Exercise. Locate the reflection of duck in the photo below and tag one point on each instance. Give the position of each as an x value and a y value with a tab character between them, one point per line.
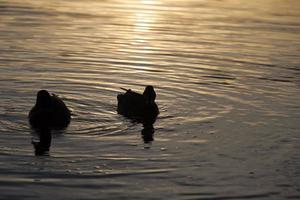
49	112
147	133
141	107
42	146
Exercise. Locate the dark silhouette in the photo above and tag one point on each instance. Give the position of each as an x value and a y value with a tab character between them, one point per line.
147	133
42	147
141	108
48	113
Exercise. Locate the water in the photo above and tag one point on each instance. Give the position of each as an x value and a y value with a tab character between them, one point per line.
227	78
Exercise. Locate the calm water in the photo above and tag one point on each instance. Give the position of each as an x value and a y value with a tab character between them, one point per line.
227	76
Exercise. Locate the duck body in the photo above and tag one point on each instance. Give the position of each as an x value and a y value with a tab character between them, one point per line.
140	107
49	112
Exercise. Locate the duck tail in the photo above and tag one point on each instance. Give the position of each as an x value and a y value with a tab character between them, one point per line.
124	89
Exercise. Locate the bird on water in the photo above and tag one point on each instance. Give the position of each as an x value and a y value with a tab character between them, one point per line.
49	112
141	107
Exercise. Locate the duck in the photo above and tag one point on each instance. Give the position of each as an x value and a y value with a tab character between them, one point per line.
49	112
140	107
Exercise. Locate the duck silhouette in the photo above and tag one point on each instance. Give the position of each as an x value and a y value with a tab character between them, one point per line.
140	107
49	112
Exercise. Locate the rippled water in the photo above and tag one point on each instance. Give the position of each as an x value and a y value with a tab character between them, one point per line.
227	78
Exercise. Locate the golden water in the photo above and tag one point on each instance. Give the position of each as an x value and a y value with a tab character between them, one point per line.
227	78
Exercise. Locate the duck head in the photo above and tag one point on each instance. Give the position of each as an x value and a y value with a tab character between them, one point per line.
43	98
149	94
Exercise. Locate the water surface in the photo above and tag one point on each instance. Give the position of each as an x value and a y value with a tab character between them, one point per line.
227	78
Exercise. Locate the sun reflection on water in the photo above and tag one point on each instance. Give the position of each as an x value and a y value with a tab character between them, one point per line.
144	20
147	1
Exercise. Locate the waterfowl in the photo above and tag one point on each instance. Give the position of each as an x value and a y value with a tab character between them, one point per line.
141	107
49	112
